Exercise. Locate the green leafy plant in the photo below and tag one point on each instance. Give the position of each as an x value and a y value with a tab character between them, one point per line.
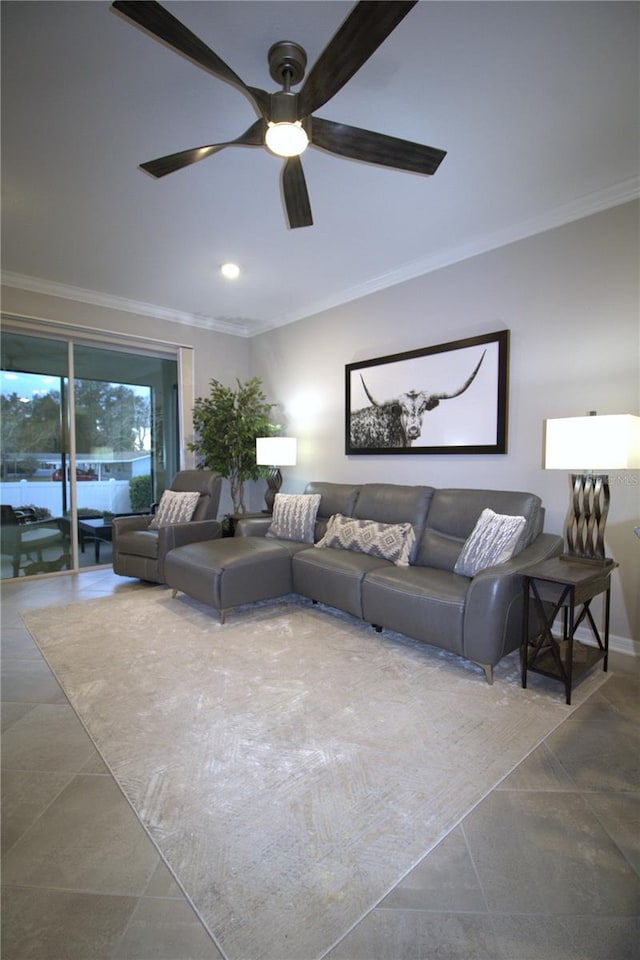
226	425
140	493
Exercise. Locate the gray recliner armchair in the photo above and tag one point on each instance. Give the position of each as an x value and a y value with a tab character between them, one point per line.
140	552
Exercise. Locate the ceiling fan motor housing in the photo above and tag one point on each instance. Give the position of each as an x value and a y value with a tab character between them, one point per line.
287	63
283	107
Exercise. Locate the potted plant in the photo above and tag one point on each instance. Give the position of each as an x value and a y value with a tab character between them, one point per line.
226	425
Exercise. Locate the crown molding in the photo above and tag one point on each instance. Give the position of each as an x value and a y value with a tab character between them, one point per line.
559	216
239	328
578	209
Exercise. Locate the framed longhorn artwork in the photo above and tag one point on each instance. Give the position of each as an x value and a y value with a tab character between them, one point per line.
449	398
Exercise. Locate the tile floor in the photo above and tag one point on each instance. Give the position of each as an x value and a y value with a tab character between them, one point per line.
546	867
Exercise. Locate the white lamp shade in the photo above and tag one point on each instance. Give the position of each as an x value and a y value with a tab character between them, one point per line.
593	443
276	451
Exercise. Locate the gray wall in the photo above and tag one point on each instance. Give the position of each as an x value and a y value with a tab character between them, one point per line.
570	298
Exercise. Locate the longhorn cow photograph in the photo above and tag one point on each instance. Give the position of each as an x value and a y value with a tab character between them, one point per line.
448	398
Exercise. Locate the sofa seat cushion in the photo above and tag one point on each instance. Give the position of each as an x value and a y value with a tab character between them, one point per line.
334	576
139	543
421	602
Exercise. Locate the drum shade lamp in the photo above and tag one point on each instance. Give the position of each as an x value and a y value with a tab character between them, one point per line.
275	452
588	447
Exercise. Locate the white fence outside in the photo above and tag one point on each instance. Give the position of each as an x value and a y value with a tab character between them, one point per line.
99	495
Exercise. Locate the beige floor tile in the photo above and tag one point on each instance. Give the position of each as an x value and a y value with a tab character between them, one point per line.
30	681
553	857
16	643
25	796
13	711
48	737
42	924
88	839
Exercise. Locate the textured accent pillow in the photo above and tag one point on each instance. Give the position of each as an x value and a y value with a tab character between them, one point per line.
294	516
391	541
493	540
174	508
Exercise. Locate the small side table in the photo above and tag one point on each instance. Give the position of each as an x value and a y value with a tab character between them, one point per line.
565	585
233	519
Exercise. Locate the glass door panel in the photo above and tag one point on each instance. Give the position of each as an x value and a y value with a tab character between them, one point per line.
126	448
34	456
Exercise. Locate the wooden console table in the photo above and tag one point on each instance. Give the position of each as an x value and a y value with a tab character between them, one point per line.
564	585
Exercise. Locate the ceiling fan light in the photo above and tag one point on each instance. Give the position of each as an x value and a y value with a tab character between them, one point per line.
286	139
231	271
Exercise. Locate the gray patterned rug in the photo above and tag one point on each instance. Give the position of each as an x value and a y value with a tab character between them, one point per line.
293	765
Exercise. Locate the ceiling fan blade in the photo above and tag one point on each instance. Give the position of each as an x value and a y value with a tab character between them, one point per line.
370	147
253	137
153	18
369	23
296	197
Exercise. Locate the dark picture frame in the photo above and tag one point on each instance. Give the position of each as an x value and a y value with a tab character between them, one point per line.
448	398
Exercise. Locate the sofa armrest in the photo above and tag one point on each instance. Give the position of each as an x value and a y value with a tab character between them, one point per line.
179	534
493	607
129	524
253	526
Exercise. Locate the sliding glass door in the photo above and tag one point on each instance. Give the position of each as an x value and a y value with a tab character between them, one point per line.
88	432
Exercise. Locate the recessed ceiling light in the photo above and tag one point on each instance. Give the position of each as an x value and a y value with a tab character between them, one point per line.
230	270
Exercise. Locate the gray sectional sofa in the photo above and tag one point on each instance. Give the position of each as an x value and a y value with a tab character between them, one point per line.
478	618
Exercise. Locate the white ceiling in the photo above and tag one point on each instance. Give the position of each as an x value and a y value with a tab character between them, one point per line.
536	104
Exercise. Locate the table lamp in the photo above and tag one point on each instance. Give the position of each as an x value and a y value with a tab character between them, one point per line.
275	452
590	445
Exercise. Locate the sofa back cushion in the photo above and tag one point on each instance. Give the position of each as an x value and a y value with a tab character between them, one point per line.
334	498
454	513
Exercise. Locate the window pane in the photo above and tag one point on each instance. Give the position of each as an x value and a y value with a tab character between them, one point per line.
34	444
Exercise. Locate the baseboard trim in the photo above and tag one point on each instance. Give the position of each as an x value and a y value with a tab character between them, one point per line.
625	645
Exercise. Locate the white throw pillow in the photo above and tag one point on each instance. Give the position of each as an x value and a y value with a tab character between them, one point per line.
493	540
174	508
391	541
294	516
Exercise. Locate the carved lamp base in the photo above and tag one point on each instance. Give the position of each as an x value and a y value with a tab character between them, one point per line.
588	509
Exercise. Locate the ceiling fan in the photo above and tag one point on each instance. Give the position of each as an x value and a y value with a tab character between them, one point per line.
286	124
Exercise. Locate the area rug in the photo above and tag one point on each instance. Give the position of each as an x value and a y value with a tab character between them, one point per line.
292	765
